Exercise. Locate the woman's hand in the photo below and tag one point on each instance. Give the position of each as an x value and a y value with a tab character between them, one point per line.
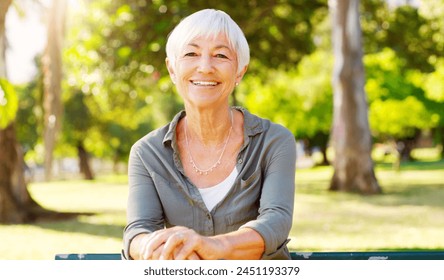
186	243
181	243
156	254
169	244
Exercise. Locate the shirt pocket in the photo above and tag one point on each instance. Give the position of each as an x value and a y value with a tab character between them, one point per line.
253	180
235	220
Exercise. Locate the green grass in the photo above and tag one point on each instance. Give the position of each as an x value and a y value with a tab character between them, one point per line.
97	233
408	216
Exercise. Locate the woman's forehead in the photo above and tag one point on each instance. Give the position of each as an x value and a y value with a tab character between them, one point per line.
219	41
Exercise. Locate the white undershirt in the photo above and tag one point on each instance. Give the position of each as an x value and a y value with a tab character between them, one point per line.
213	195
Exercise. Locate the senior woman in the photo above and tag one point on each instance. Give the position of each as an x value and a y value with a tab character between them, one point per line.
217	182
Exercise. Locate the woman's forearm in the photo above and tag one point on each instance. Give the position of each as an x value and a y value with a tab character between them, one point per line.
245	244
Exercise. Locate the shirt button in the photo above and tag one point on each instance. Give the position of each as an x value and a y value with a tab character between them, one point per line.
240	161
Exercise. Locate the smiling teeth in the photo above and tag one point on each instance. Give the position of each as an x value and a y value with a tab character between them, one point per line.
202	83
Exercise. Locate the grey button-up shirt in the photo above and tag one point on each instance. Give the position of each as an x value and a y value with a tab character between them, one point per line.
262	197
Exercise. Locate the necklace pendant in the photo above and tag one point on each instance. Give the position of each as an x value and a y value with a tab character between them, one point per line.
218	162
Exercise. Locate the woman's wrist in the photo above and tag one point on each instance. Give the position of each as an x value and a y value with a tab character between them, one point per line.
222	246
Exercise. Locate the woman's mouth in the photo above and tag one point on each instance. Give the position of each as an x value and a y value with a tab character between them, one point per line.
204	83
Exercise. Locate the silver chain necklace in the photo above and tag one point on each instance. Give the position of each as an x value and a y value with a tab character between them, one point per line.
217	163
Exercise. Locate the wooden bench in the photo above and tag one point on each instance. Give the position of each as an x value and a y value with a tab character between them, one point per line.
393	255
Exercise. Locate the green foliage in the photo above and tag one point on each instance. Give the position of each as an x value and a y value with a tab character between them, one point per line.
375	21
281	39
8	103
29	115
398	108
399	118
416	35
409	35
300	100
433	11
78	118
434	83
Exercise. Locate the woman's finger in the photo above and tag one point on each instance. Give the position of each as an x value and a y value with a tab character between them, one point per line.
156	253
193	256
154	241
172	244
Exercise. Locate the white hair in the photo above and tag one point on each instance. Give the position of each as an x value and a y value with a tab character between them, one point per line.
207	23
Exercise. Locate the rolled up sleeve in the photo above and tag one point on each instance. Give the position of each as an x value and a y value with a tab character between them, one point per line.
277	198
144	210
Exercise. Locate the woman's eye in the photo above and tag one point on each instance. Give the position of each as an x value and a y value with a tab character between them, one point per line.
190	54
220	55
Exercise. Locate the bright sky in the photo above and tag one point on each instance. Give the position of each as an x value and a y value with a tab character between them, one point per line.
26	37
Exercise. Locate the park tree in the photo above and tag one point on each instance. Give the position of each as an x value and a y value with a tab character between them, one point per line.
10	210
76	126
433	83
398	108
415	36
351	138
300	99
433	11
16	203
52	80
119	109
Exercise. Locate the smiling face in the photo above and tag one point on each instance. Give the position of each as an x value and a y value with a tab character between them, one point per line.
205	72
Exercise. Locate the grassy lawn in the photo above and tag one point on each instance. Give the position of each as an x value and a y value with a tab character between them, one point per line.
408	216
97	233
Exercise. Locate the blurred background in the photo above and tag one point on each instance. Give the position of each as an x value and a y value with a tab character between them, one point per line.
82	80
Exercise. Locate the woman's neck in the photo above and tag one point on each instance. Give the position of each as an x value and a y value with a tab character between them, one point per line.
210	128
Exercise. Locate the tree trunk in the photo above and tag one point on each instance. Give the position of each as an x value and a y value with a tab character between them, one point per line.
84	165
52	73
324	156
321	140
16	204
10	210
353	166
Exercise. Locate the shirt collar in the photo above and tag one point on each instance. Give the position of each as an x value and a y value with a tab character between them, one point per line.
170	136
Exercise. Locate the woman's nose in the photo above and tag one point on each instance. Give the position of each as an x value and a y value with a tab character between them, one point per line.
205	64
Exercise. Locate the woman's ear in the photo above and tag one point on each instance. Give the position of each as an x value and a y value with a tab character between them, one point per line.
241	74
170	70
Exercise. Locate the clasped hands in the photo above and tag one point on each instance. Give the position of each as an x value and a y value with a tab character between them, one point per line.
179	243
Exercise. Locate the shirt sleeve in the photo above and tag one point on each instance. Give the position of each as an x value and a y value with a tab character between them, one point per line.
144	210
277	198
